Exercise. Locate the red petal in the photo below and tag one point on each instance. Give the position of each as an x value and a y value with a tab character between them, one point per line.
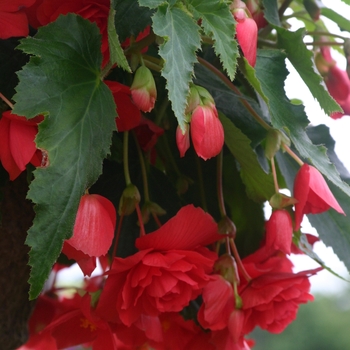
94	225
189	228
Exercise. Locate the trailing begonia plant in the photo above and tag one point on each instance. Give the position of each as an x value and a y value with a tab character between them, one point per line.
140	140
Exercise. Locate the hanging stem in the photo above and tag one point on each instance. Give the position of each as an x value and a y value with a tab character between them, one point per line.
293	155
126	158
239	261
219	184
274	174
229	84
8	102
201	185
139	215
143	168
117	236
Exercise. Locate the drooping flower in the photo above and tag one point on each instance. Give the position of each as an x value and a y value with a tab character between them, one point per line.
17	146
93	231
246	31
13	19
47	11
143	89
279	231
170	269
129	116
272	298
257	12
312	193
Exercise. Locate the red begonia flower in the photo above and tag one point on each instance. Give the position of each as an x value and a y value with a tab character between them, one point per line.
17	146
13	20
147	133
312	193
207	132
279	231
82	325
218	304
93	230
169	271
96	11
129	116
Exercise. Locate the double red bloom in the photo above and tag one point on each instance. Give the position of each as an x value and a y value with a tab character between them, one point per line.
169	271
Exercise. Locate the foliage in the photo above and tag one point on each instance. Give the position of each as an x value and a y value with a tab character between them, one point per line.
105	95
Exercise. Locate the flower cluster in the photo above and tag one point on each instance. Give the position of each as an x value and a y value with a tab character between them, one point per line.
184	282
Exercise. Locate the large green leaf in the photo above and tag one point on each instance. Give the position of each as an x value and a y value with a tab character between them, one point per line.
181	41
270	74
131	18
218	23
115	49
63	78
259	185
271	12
301	58
151	3
333	228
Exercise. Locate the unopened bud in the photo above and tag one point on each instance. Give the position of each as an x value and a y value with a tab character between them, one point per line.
129	199
151	208
227	268
280	201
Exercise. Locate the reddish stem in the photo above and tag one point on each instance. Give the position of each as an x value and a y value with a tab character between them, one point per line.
239	261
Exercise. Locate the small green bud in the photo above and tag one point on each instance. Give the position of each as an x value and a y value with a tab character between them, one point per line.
128	200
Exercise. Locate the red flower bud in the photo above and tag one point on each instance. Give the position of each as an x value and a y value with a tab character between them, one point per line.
279	231
143	89
183	139
247	34
312	193
207	132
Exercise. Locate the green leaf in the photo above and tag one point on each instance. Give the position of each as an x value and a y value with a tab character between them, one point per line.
342	22
152	3
218	22
271	12
131	18
63	78
115	50
259	185
301	58
181	41
271	73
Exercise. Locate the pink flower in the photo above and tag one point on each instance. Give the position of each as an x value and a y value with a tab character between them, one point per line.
207	133
143	89
13	20
93	231
246	32
279	231
183	139
169	271
17	146
312	193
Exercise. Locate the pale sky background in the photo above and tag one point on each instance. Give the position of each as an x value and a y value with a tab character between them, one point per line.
323	282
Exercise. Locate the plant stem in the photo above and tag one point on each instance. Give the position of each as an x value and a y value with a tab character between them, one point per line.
219	184
273	168
293	155
239	261
143	169
116	239
8	102
126	158
229	84
139	215
201	184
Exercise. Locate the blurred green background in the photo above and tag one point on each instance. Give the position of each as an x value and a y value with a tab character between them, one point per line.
323	324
